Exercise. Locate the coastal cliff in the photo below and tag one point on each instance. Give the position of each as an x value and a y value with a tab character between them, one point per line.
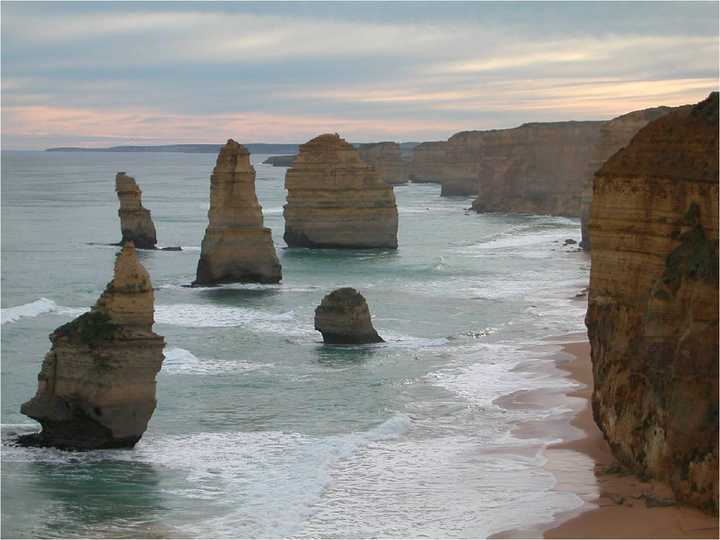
428	162
387	160
614	135
96	388
236	246
335	200
536	168
135	222
653	302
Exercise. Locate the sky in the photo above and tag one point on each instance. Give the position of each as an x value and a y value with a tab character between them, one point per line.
111	73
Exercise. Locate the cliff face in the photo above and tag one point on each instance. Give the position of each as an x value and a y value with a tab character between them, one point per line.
135	221
614	135
428	162
96	388
236	246
335	200
387	160
535	168
653	304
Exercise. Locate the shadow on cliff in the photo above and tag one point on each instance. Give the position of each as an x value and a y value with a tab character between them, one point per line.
231	296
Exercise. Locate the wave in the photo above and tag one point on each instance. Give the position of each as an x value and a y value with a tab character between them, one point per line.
35	308
182	362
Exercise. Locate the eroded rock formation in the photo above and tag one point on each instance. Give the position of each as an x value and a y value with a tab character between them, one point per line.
96	388
536	168
280	161
428	163
387	160
343	318
335	200
653	303
614	135
135	221
236	246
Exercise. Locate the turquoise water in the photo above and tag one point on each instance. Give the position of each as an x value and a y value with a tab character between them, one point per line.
260	430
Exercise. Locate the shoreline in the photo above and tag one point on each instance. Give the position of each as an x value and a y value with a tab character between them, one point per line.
615	504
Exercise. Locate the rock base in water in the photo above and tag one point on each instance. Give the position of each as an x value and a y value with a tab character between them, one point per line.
343	318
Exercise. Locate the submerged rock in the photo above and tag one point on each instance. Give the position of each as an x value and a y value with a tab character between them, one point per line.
96	388
343	318
135	221
653	304
335	200
236	246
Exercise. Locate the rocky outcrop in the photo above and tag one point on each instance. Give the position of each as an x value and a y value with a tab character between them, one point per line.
335	200
536	168
387	160
96	388
343	318
428	163
236	247
280	161
653	303
462	187
614	135
135	221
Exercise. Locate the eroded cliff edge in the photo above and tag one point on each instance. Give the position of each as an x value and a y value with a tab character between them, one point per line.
96	388
653	303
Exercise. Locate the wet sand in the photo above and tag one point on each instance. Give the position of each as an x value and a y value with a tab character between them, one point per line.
615	504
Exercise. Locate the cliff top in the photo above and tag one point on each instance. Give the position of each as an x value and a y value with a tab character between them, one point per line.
233	156
681	145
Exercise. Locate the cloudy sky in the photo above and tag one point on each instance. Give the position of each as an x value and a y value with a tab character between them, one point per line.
99	74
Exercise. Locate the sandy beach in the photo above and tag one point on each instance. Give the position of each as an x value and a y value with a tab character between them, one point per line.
616	504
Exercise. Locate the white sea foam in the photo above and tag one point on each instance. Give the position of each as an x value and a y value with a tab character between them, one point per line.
33	309
214	316
181	361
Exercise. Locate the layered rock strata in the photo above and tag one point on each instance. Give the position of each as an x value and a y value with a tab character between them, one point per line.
614	135
428	163
343	318
387	160
236	246
135	221
335	200
536	168
96	388
653	302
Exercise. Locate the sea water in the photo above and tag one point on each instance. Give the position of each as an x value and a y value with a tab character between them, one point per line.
260	429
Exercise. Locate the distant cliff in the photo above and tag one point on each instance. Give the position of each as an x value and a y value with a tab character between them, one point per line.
653	302
253	148
387	159
280	161
614	135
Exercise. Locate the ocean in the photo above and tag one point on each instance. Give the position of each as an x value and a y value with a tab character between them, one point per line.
260	429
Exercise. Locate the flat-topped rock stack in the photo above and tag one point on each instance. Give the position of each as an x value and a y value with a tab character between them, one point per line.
236	247
653	302
135	221
614	135
387	160
335	200
96	388
343	318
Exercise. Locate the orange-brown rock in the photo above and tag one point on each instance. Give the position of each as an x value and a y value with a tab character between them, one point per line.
96	388
536	168
614	135
653	302
135	221
428	162
387	160
343	318
335	200
236	246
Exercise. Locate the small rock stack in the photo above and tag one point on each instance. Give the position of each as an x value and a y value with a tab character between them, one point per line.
135	221
343	318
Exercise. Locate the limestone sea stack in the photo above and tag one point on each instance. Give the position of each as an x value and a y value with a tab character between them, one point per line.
387	160
653	302
428	162
343	318
236	246
614	135
96	388
135	221
335	200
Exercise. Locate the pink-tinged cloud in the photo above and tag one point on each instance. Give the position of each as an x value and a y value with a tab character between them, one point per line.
150	126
